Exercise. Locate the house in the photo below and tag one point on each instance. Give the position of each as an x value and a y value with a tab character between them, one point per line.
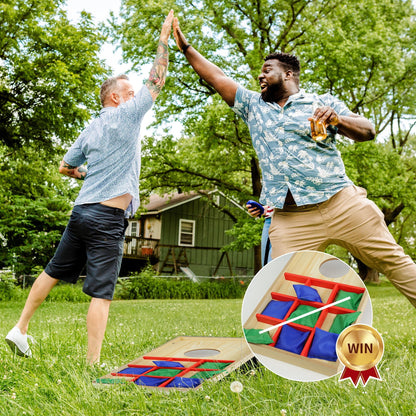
186	230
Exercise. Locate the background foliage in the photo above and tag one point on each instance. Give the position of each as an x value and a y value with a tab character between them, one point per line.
361	51
50	73
147	286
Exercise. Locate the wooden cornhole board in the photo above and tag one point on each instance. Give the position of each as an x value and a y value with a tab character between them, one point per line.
183	363
304	268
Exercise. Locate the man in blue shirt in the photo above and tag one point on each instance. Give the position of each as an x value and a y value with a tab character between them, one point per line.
94	235
315	203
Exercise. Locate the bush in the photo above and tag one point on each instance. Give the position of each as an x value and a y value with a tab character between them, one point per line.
142	286
147	286
68	292
8	288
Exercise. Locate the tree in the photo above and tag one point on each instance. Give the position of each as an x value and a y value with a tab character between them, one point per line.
212	157
361	51
34	208
50	73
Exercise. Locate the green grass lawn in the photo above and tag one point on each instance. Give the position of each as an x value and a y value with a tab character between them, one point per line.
56	380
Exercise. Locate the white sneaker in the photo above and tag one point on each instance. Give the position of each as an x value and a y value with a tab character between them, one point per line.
18	342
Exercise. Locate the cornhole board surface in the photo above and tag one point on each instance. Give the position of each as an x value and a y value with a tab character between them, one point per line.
275	282
183	363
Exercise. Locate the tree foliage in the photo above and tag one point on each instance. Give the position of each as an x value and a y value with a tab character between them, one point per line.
390	180
213	157
50	72
34	207
360	51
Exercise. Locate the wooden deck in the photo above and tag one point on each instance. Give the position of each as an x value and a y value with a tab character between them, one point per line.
140	248
137	248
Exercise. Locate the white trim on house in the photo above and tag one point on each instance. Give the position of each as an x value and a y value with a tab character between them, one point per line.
133	229
190	199
186	234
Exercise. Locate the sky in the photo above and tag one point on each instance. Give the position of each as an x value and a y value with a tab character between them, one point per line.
100	11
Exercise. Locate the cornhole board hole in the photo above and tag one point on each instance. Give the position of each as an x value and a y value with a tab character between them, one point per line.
183	363
290	286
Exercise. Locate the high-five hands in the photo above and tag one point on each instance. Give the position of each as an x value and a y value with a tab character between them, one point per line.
166	28
179	36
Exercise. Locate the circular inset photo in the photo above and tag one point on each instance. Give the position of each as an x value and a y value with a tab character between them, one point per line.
294	310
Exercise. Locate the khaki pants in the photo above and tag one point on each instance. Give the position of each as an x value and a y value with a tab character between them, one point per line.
349	220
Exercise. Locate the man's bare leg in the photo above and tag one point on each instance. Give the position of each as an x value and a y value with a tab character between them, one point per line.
40	289
96	323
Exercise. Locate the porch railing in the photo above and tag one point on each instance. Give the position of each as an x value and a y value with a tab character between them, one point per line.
137	247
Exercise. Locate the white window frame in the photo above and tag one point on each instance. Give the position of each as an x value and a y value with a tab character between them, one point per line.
181	221
137	232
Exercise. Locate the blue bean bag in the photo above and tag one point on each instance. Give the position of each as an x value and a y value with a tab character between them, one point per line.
307	293
150	381
168	364
185	382
323	345
134	370
292	340
277	308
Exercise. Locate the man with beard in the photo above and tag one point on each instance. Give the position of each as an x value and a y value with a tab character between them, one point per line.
315	203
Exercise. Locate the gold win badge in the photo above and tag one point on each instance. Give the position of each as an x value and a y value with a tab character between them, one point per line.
360	348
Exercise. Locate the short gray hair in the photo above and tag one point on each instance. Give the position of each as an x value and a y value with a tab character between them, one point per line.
109	85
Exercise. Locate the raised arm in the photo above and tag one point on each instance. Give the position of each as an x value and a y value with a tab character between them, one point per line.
209	72
157	74
77	172
354	127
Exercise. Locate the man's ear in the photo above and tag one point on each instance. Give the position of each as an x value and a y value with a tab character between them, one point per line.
288	75
115	98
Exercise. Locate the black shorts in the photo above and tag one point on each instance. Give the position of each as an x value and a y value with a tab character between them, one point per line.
94	237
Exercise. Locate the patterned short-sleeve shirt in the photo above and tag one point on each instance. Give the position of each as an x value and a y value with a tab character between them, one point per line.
288	157
111	146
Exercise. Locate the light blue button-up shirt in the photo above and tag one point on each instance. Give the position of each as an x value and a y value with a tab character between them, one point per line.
288	157
112	148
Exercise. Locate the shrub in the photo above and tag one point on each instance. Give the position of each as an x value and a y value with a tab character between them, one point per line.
147	286
68	292
142	286
8	288
11	290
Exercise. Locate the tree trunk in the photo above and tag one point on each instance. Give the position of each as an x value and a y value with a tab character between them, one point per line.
257	259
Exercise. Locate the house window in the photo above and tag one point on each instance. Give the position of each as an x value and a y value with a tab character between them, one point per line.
186	232
133	229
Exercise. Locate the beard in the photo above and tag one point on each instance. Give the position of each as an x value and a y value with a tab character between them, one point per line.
274	92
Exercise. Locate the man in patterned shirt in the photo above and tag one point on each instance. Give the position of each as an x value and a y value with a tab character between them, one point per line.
94	235
315	203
